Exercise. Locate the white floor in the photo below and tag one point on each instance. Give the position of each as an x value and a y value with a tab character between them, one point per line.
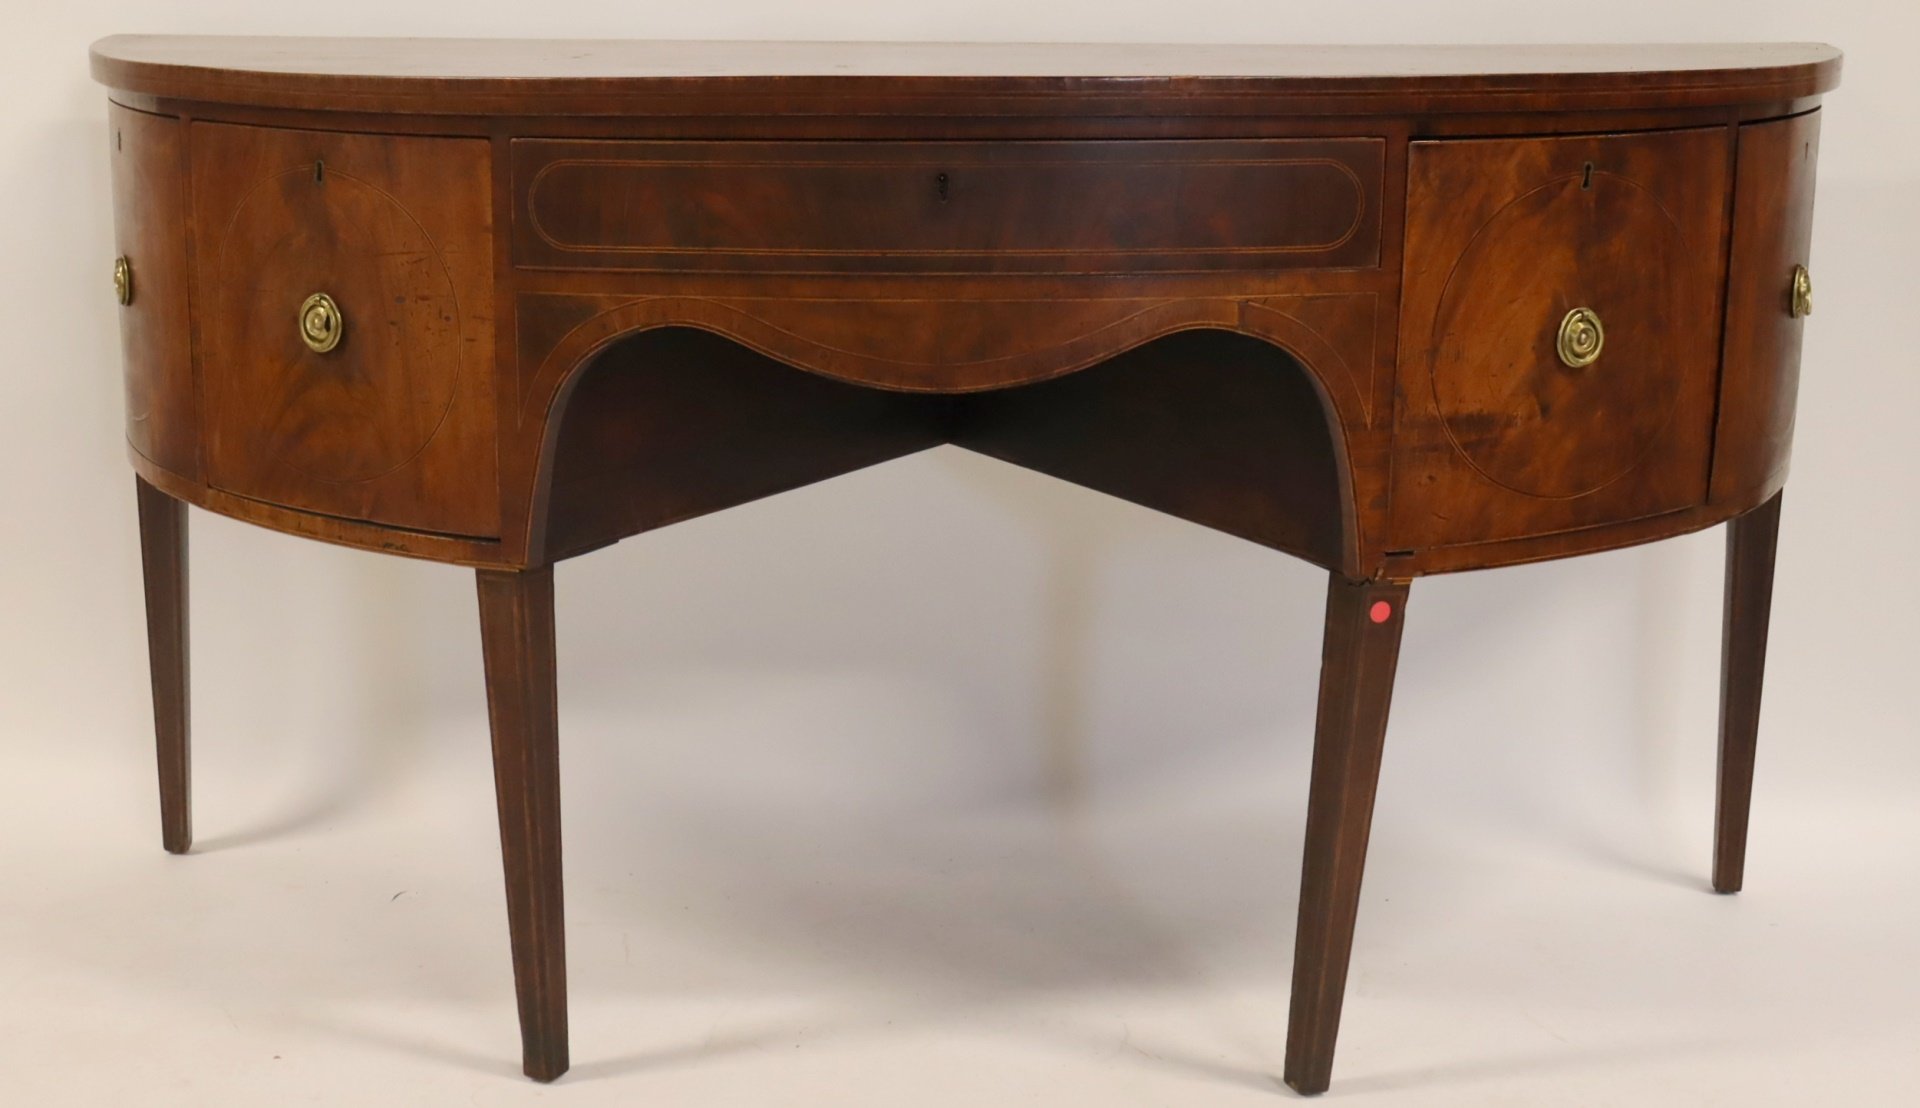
827	916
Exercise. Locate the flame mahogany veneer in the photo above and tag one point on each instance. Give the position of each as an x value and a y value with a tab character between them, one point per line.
1318	297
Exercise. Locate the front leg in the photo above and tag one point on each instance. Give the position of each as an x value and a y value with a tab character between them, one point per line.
163	560
1360	650
516	635
1751	540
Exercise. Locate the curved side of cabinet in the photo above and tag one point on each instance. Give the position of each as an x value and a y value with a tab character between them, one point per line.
188	335
1760	375
1769	197
148	156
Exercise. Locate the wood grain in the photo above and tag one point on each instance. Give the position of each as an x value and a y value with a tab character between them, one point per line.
1496	437
396	424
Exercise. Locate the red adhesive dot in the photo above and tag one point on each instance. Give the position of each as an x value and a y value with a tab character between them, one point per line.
1380	611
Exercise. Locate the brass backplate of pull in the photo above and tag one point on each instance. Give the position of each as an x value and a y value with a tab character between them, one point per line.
123	280
321	324
1800	300
1581	337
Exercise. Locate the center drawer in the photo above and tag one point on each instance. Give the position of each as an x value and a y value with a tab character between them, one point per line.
960	207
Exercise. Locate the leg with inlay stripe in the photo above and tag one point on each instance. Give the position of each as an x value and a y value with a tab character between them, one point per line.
1359	653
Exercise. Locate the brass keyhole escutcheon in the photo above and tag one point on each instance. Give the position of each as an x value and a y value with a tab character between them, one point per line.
1801	301
1581	338
123	280
321	324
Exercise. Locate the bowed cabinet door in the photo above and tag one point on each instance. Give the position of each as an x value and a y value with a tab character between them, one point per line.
1502	430
1772	235
148	154
388	414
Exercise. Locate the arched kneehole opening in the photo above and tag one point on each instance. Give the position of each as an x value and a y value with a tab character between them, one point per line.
1212	426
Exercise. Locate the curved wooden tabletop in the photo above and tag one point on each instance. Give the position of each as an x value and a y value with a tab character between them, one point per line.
611	77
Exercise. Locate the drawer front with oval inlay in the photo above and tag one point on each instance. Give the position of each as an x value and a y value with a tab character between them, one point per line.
1559	333
962	207
346	343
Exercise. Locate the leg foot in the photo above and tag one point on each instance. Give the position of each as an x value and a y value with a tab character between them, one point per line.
516	630
1751	540
1361	648
163	558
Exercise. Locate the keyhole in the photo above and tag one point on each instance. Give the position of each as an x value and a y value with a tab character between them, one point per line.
319	172
940	186
1586	176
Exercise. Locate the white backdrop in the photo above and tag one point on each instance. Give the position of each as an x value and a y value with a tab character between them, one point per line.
943	782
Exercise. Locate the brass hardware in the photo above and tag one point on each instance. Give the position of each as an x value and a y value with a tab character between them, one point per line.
123	280
1800	303
321	324
1581	338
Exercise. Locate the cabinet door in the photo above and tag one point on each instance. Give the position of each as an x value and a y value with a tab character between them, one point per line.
148	154
1499	432
395	422
1772	229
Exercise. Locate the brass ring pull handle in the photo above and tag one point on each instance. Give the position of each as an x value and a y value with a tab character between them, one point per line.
321	324
123	280
1800	301
1581	337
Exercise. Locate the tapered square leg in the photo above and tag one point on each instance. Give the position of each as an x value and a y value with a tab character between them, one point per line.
1360	651
163	560
516	631
1751	540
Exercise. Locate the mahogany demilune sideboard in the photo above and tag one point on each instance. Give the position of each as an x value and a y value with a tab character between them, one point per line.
1395	311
